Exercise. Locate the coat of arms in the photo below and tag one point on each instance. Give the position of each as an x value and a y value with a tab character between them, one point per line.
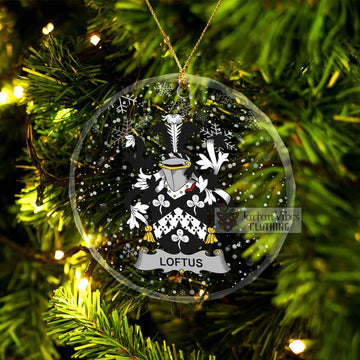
175	205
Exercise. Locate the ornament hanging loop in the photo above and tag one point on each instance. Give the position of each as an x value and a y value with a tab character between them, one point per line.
182	79
183	94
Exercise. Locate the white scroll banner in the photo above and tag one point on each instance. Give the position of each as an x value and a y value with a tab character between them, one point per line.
200	261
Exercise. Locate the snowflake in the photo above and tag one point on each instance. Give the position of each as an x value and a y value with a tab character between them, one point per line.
128	250
202	116
222	99
101	161
124	102
164	89
217	130
226	100
119	133
180	107
95	129
251	120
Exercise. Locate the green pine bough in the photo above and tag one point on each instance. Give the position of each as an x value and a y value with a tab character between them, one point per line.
299	62
82	320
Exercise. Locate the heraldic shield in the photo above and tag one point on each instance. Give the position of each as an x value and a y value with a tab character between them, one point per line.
174	203
182	225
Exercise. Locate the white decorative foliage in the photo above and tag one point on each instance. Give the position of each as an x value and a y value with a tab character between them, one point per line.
130	140
213	162
137	212
174	125
161	202
141	181
195	203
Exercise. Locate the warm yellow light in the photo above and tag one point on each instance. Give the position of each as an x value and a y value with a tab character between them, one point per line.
95	39
48	28
59	254
297	346
18	91
201	292
87	238
78	274
36	208
3	97
83	283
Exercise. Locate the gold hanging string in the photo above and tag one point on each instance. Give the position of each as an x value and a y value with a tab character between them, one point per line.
182	69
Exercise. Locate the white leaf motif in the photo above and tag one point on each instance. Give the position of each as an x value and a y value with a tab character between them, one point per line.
161	202
205	163
179	237
195	203
214	162
130	140
210	198
202	183
137	212
141	181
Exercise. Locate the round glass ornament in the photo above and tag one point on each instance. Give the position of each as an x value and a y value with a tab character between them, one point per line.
166	188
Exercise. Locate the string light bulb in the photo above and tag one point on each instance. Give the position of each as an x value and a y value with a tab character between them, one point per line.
3	97
83	283
95	39
297	346
46	30
88	238
36	208
78	274
201	292
18	91
58	255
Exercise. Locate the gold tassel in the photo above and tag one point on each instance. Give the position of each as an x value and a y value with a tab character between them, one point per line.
149	236
211	238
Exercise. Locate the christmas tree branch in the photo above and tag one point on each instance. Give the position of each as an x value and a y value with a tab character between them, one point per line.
40	257
45	176
22	331
47	257
85	322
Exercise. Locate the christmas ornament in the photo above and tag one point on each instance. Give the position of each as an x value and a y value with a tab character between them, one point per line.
176	177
